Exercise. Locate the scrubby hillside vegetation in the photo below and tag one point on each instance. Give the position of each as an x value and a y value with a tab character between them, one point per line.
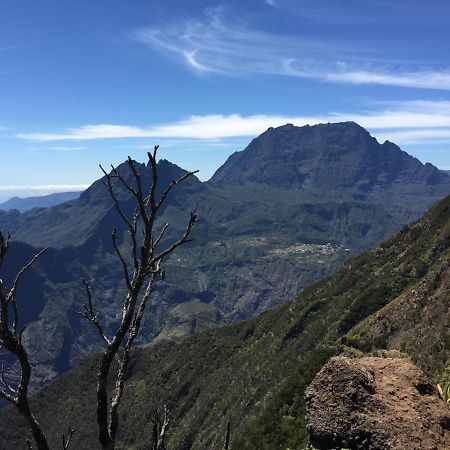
254	373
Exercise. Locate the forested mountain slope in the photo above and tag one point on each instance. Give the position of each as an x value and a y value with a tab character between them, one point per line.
254	373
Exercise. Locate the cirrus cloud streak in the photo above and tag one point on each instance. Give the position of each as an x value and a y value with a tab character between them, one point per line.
211	45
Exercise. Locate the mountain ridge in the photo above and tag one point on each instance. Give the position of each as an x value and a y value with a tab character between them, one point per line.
302	143
44	201
255	247
254	373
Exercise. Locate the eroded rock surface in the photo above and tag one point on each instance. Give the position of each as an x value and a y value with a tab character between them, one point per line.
376	403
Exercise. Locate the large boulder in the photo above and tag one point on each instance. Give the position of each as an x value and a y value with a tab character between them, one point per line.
375	403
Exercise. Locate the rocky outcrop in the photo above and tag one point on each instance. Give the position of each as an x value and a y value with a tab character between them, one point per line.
375	403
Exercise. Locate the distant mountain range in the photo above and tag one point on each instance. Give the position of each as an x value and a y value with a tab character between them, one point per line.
44	201
287	210
254	373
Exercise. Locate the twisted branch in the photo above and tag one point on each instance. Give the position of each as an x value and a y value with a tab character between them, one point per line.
140	286
12	343
92	316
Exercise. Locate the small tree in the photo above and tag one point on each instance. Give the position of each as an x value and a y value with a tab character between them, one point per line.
146	267
11	341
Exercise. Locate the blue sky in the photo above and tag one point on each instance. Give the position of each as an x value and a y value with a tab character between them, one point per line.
87	82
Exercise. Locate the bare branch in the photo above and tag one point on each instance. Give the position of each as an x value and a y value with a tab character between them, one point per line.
183	239
12	343
151	197
161	235
226	445
136	175
132	226
120	384
133	236
21	333
90	315
4	245
140	287
172	185
8	397
110	187
66	441
121	258
12	292
5	383
160	429
137	321
123	181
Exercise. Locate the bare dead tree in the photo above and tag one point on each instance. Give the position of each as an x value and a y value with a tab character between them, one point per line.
147	260
160	425
226	444
66	439
11	341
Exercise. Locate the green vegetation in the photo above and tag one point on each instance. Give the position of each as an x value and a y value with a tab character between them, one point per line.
444	391
254	373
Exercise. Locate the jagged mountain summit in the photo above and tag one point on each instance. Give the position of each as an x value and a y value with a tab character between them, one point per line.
333	155
332	161
287	210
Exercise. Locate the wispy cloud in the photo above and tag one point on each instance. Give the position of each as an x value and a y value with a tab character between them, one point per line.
410	120
364	12
421	79
66	148
211	45
11	47
418	136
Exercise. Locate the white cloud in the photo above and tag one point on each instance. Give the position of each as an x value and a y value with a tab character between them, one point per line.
65	148
195	127
101	131
420	79
431	117
212	46
418	136
364	12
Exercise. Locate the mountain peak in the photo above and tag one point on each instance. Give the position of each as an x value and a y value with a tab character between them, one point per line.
324	157
327	126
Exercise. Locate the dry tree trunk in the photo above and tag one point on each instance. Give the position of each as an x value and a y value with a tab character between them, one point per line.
11	341
147	261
